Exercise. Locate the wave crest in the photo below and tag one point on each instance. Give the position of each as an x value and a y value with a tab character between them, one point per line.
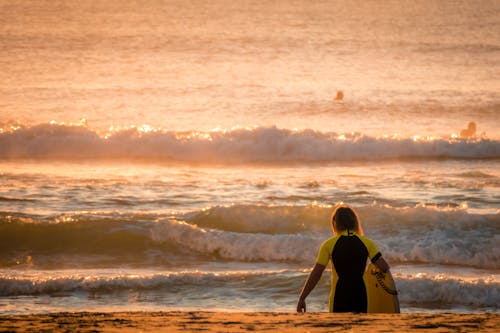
248	233
257	145
419	290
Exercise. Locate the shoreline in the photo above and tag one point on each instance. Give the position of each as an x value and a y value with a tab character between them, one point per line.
190	321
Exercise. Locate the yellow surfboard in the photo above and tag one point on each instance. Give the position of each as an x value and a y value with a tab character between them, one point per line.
381	291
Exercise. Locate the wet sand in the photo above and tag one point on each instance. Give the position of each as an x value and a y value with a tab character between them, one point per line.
247	322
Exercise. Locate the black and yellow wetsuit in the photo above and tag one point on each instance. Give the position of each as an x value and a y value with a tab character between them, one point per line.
348	252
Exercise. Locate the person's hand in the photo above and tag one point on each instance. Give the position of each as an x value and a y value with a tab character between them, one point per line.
301	305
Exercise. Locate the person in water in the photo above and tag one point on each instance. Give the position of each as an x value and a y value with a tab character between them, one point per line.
348	250
470	131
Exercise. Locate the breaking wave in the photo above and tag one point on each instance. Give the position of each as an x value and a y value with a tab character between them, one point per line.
421	290
424	290
257	145
247	233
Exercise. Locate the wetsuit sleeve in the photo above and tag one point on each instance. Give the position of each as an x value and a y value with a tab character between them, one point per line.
373	252
323	254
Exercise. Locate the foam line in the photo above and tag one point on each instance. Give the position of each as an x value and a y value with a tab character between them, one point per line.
261	144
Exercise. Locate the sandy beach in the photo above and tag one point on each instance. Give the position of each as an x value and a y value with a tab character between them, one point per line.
247	322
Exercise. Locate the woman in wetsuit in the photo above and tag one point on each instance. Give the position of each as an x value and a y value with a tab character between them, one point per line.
348	251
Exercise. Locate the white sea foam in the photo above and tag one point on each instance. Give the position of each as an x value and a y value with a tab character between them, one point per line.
262	144
411	234
284	234
439	236
424	290
454	244
235	246
417	290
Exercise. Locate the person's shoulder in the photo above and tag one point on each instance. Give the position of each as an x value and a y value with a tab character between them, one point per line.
370	245
330	241
365	239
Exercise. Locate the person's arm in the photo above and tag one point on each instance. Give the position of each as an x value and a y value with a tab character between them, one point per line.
311	282
375	255
382	265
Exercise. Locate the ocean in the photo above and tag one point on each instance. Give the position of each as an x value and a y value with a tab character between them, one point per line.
175	155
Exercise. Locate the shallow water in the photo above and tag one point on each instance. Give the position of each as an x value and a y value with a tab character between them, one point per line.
85	235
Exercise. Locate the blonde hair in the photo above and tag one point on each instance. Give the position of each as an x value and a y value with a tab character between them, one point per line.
344	218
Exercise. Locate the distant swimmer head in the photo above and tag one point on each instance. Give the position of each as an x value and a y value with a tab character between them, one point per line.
339	96
470	131
345	218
